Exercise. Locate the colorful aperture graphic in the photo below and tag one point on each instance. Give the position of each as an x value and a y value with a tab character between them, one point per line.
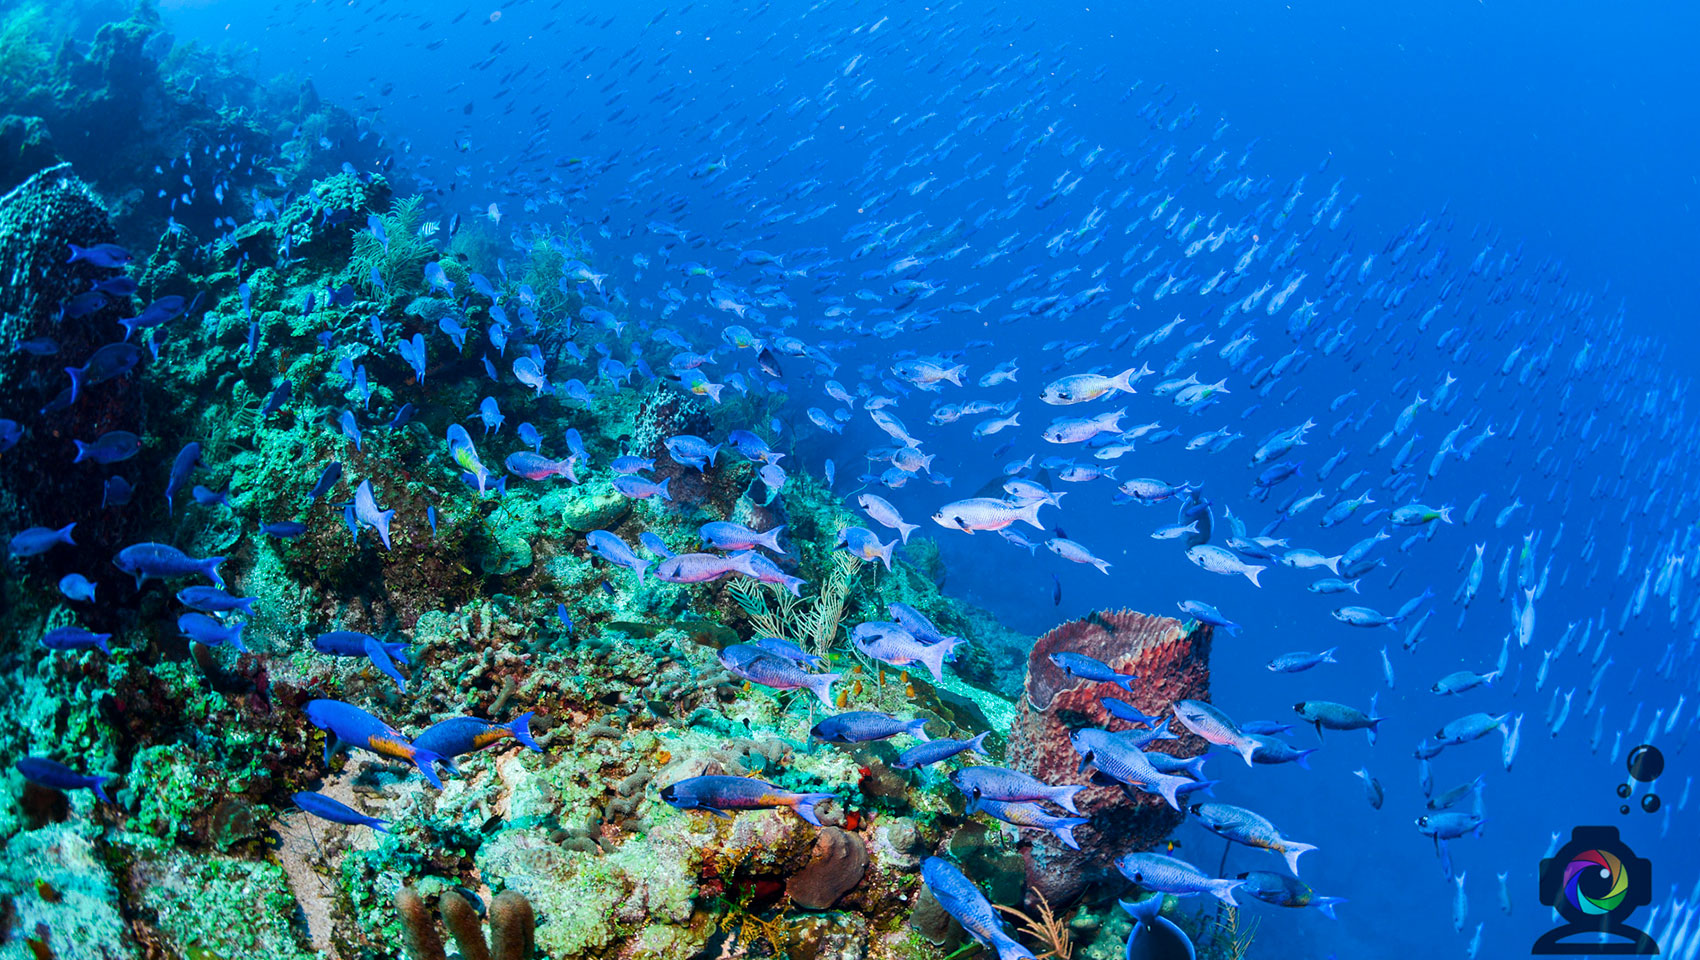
1595	863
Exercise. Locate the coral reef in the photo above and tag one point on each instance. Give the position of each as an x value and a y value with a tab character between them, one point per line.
501	606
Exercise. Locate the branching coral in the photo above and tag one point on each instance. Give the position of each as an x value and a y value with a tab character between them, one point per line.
398	260
811	624
751	928
1047	928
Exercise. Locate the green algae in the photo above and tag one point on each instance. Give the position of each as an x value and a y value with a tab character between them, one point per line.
221	907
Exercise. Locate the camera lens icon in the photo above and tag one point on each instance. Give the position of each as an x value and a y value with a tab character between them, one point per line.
1595	882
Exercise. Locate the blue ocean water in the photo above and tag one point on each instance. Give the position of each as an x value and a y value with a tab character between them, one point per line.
1485	199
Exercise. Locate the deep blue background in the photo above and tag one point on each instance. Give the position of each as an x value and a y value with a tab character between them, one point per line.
1565	125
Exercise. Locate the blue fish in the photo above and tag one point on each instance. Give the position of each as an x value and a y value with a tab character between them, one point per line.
350	429
75	638
964	901
51	773
458	736
284	529
159	561
39	540
380	658
336	811
109	256
367	512
327	479
214	600
348	725
77	587
115	492
182	468
209	632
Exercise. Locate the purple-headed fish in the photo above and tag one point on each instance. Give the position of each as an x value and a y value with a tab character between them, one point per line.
780	672
718	794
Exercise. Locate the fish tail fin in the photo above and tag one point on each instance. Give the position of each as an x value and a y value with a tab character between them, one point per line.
99	787
77	253
425	760
1303	759
1251	572
76	374
804	804
770	539
1291	851
1195	766
209	566
1124	380
1328	655
100	640
917	728
1223	890
246	605
905	529
821	685
642	565
1334	563
236	637
978	744
1326	905
1125	680
1063	796
64	534
1169	787
885	554
1030	514
933	656
82	451
1145	910
520	727
1065	832
661	489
